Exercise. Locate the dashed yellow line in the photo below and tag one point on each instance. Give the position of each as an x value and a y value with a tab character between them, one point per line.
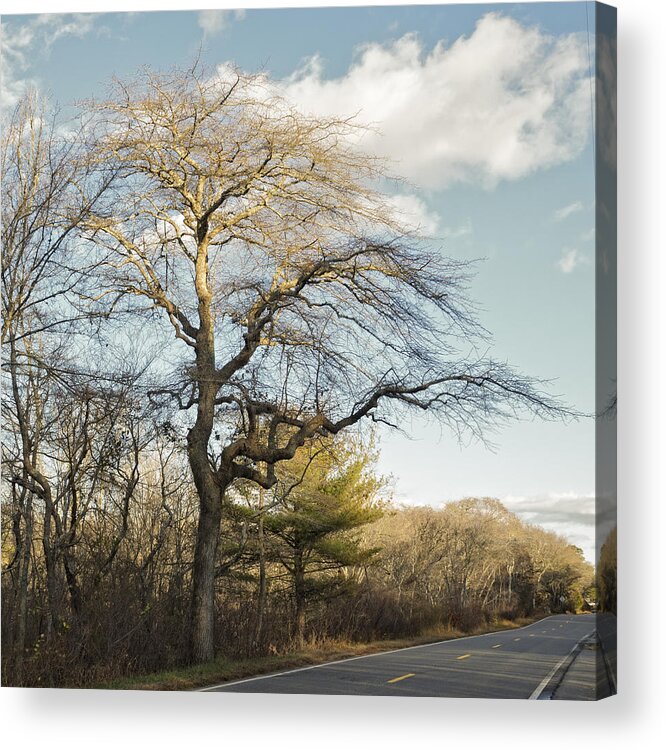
464	656
403	677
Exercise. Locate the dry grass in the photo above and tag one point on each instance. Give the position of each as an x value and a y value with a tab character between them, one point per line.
226	670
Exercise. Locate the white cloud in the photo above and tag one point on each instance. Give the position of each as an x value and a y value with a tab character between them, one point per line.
463	230
570	260
21	42
215	21
573	515
497	105
413	213
572	208
56	25
555	507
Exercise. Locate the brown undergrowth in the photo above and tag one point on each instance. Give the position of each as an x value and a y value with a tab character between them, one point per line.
222	670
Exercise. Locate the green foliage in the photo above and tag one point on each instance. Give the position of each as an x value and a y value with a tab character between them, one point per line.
323	497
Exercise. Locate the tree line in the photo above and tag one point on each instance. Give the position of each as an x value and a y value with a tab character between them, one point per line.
203	294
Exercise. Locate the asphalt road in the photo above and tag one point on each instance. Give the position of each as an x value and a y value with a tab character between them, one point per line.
509	664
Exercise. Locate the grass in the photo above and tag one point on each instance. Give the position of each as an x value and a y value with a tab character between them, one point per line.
225	670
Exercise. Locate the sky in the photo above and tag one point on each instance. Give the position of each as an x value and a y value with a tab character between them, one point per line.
486	111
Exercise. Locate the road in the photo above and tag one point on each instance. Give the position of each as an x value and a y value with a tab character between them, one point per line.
516	663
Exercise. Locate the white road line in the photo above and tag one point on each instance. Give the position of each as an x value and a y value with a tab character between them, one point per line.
366	656
542	685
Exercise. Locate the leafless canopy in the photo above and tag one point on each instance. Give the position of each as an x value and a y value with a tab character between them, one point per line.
257	231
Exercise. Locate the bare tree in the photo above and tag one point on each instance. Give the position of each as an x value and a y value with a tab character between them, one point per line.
472	561
36	175
46	191
298	304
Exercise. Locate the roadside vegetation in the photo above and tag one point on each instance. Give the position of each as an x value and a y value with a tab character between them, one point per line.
321	567
222	670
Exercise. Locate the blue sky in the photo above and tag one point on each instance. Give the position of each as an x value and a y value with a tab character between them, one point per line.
486	110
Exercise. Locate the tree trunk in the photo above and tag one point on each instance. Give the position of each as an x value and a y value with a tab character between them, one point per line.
71	578
262	593
22	604
299	600
51	570
203	583
211	492
210	485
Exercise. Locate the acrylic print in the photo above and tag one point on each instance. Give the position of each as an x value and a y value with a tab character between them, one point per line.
308	350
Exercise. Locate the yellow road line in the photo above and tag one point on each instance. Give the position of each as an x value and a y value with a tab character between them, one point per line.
497	646
464	656
404	677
